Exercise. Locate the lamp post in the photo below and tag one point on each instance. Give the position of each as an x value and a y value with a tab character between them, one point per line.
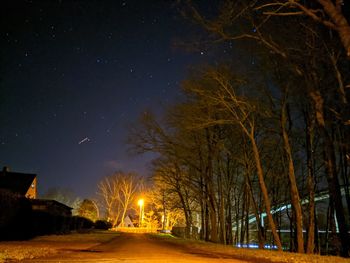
141	204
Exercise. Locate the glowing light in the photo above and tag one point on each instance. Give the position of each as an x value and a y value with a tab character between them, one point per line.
141	202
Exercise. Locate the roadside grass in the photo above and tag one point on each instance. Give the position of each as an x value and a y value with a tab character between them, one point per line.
48	245
251	255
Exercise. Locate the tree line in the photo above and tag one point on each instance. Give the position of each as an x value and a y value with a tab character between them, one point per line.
269	129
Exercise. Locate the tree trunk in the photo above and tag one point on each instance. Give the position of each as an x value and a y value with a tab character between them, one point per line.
242	230
210	187
207	226
247	216
298	215
265	192
213	226
310	184
223	220
221	212
228	204
340	22
291	231
186	210
332	177
212	209
344	168
202	232
237	204
203	209
261	235
317	236
229	226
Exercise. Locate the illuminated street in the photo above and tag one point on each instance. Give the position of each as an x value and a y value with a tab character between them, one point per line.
137	248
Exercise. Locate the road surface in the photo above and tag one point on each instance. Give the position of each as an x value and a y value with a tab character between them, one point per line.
130	247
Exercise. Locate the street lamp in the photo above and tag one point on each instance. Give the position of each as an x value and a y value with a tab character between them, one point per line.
141	204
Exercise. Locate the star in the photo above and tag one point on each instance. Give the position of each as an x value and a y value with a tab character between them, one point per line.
109	57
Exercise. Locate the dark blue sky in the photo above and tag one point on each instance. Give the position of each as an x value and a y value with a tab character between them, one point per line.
73	74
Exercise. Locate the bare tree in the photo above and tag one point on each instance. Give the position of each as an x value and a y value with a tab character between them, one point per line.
241	113
118	194
326	12
166	202
272	23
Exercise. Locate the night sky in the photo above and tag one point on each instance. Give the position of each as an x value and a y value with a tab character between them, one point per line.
73	74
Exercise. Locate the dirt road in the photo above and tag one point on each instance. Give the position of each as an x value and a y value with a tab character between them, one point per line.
130	247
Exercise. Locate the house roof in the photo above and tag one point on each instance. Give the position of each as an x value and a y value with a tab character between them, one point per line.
16	182
49	203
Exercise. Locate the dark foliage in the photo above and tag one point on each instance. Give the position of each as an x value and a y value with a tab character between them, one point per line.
14	217
19	222
103	224
79	223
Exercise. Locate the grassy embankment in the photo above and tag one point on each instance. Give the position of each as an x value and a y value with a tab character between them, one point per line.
212	250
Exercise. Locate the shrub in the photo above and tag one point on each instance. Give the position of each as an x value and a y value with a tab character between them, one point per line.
79	223
44	223
9	205
103	224
15	217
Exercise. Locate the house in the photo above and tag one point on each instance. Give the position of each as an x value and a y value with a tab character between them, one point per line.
19	183
25	185
51	206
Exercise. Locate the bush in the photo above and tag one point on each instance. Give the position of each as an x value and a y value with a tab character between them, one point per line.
9	206
103	224
44	223
79	223
14	217
18	221
185	232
